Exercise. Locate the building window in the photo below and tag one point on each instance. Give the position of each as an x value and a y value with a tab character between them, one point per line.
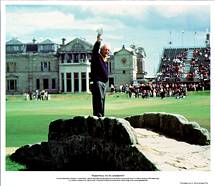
47	48
83	82
62	82
12	85
45	66
9	49
83	57
62	56
68	58
53	83
76	58
76	82
45	83
14	49
32	48
11	67
68	82
38	84
123	71
89	56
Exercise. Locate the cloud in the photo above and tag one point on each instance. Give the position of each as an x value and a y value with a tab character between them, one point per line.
26	22
190	18
140	12
120	22
144	25
22	20
116	10
175	11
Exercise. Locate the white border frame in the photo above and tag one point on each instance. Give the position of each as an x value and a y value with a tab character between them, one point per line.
173	178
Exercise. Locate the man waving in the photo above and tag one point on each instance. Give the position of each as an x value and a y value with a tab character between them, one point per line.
99	75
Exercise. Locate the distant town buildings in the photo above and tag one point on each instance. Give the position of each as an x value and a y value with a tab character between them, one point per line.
65	67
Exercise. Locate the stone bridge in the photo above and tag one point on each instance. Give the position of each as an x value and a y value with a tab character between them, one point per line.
148	142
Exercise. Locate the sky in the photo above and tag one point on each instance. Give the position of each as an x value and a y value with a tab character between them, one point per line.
147	26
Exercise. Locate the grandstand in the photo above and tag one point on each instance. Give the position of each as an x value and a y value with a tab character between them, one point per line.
185	65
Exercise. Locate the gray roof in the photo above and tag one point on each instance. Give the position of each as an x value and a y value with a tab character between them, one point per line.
82	40
47	41
129	50
88	45
14	41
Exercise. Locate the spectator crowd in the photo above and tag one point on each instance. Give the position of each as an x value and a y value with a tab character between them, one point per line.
37	95
152	89
181	70
177	67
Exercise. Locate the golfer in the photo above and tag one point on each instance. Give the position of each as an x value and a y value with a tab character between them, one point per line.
99	75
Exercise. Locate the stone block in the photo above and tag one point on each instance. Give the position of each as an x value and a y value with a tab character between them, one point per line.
172	125
104	144
151	120
87	144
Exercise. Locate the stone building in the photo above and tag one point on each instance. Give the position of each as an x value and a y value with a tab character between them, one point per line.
126	65
31	66
74	66
65	68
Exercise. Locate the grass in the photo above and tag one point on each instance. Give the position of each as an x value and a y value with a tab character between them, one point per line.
27	122
13	166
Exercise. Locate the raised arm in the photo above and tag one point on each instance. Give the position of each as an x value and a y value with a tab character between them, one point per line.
97	44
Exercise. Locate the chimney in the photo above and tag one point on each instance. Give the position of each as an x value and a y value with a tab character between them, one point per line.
63	41
34	40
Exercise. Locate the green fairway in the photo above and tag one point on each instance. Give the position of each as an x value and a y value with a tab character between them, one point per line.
27	121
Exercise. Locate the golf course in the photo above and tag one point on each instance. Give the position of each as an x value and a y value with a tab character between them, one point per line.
27	122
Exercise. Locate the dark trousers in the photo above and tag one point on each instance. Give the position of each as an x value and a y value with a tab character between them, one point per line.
98	92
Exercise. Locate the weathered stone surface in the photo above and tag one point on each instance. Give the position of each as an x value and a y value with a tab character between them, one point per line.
113	130
90	143
172	125
171	155
37	156
165	153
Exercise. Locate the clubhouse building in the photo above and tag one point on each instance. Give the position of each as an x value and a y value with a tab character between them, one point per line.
65	67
